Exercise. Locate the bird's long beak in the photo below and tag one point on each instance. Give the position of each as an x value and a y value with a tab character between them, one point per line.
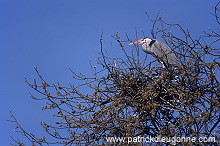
137	42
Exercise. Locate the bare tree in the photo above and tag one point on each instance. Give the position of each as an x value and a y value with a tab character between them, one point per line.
130	97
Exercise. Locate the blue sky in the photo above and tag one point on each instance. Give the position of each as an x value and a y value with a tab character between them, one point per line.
55	35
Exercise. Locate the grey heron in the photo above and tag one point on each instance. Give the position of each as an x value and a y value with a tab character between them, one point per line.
160	51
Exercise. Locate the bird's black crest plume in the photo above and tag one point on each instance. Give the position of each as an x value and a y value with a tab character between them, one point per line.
152	42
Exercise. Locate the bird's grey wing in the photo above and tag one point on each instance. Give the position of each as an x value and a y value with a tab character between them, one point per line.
165	54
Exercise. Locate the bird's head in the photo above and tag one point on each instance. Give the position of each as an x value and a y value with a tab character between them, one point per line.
142	41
